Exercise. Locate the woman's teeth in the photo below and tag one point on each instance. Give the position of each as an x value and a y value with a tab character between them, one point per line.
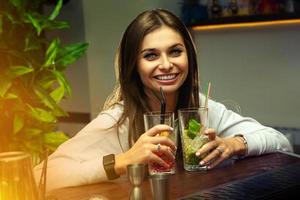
165	77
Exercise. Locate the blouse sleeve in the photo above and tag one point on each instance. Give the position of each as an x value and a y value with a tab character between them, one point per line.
78	161
260	139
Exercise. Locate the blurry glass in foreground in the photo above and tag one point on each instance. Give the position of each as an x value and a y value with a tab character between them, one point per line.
16	177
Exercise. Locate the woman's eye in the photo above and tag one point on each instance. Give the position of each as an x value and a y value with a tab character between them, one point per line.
150	56
175	52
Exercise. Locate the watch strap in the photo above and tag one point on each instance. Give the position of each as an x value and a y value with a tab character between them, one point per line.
109	166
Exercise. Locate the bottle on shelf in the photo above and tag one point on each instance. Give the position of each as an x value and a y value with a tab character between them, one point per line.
233	8
215	9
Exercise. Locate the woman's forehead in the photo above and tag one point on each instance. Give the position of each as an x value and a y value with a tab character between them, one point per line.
163	36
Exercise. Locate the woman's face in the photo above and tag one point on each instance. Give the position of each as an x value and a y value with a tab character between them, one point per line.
163	61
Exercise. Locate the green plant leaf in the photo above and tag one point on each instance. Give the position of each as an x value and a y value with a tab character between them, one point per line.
29	45
58	94
70	53
49	101
16	3
11	18
53	139
35	22
46	81
18	123
16	71
32	132
5	84
42	115
51	53
56	10
11	96
59	112
44	97
62	81
32	146
53	25
33	43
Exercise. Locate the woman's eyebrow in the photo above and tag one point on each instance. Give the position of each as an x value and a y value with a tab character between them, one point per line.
153	49
175	45
148	49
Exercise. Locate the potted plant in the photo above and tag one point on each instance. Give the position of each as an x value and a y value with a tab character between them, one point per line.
32	80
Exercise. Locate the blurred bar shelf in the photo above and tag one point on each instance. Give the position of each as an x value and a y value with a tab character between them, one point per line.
245	21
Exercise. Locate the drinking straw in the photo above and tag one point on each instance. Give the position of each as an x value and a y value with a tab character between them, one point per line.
207	95
162	106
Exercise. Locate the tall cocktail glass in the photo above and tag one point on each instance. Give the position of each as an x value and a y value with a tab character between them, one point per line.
150	120
192	123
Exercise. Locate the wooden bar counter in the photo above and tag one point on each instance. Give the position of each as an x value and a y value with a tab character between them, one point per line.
182	183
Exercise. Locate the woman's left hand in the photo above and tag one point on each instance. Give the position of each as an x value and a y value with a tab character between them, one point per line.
218	149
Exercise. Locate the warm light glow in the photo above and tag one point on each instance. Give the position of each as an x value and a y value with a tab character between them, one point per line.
16	177
246	24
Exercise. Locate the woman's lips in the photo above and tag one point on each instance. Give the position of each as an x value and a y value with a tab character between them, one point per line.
167	78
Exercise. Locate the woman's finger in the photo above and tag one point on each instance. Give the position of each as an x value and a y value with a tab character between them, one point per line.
224	156
160	149
164	141
211	133
212	156
158	129
206	148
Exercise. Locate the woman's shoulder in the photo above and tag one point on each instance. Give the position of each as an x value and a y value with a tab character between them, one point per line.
109	117
202	98
212	104
115	111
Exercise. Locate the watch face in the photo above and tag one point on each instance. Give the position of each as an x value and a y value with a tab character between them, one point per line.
109	159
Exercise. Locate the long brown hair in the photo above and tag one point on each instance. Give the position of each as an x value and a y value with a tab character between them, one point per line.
130	88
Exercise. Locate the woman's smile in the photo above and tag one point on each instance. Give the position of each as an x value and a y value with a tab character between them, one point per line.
166	79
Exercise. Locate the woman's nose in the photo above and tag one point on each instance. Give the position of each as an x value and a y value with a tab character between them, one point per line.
165	63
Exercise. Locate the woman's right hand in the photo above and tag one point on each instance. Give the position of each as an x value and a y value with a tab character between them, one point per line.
144	149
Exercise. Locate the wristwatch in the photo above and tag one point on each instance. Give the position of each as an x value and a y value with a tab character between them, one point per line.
242	138
109	166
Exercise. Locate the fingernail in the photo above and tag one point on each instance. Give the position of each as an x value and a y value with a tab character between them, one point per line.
197	153
209	167
174	152
171	129
201	163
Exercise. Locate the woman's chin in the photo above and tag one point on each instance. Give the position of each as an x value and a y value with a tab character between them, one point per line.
168	89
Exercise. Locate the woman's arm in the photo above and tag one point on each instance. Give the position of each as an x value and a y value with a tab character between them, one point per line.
78	161
260	139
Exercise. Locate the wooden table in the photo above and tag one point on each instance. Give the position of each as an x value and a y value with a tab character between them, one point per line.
182	183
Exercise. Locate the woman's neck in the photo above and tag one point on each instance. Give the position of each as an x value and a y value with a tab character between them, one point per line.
171	102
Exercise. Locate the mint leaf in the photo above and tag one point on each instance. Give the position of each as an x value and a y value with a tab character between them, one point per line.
193	128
